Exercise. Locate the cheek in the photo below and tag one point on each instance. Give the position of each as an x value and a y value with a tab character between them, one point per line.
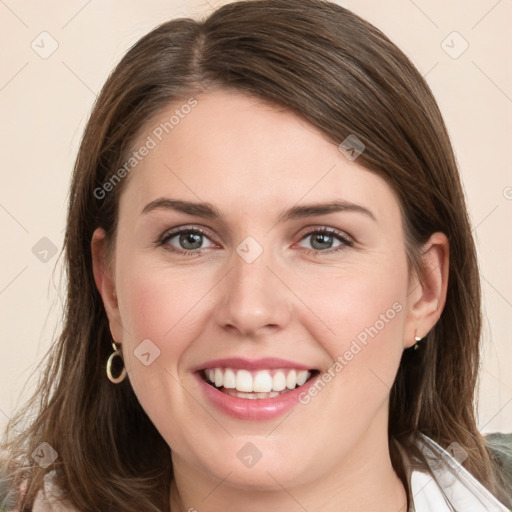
358	316
349	301
160	304
160	314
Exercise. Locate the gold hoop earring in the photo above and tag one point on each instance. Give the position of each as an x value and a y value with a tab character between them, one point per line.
417	339
122	375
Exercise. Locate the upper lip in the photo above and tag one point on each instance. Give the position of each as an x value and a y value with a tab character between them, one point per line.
265	363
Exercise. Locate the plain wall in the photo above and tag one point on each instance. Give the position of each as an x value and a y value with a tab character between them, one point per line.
45	102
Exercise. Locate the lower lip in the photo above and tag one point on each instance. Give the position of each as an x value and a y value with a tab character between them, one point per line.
257	409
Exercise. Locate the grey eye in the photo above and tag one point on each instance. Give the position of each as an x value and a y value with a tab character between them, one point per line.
187	239
321	240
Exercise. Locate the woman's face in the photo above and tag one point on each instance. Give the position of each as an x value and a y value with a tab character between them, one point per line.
252	295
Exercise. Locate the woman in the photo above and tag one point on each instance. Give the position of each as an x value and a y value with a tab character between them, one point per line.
273	295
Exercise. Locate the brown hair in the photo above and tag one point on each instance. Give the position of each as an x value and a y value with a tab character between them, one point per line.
345	77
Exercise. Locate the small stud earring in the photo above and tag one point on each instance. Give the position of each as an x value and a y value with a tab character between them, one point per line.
417	339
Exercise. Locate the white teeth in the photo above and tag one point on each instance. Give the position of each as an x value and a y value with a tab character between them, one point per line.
218	377
291	380
261	384
279	381
302	377
229	381
243	381
252	396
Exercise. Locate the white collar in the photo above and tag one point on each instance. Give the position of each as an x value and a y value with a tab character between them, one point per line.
454	489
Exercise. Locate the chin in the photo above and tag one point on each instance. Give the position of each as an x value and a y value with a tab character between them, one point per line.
250	469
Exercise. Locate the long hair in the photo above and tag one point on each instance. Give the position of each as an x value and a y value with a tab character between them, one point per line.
343	76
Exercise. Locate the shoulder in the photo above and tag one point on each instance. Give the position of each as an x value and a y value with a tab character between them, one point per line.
501	446
48	499
440	482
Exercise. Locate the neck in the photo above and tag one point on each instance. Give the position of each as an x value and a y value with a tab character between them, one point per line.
364	480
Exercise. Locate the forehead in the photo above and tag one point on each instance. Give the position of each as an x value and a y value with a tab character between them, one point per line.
243	154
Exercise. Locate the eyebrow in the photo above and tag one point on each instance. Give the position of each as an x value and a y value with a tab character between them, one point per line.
208	211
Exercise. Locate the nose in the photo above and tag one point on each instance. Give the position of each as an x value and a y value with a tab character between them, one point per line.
254	299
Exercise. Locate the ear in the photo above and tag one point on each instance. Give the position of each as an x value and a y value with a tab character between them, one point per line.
105	282
427	292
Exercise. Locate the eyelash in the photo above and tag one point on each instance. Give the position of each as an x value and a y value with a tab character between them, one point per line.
345	242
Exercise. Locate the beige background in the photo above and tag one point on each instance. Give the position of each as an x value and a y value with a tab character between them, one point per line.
45	103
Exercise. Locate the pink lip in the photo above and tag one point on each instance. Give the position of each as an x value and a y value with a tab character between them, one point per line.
259	409
266	363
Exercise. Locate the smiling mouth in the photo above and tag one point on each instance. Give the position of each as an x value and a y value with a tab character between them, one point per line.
256	384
